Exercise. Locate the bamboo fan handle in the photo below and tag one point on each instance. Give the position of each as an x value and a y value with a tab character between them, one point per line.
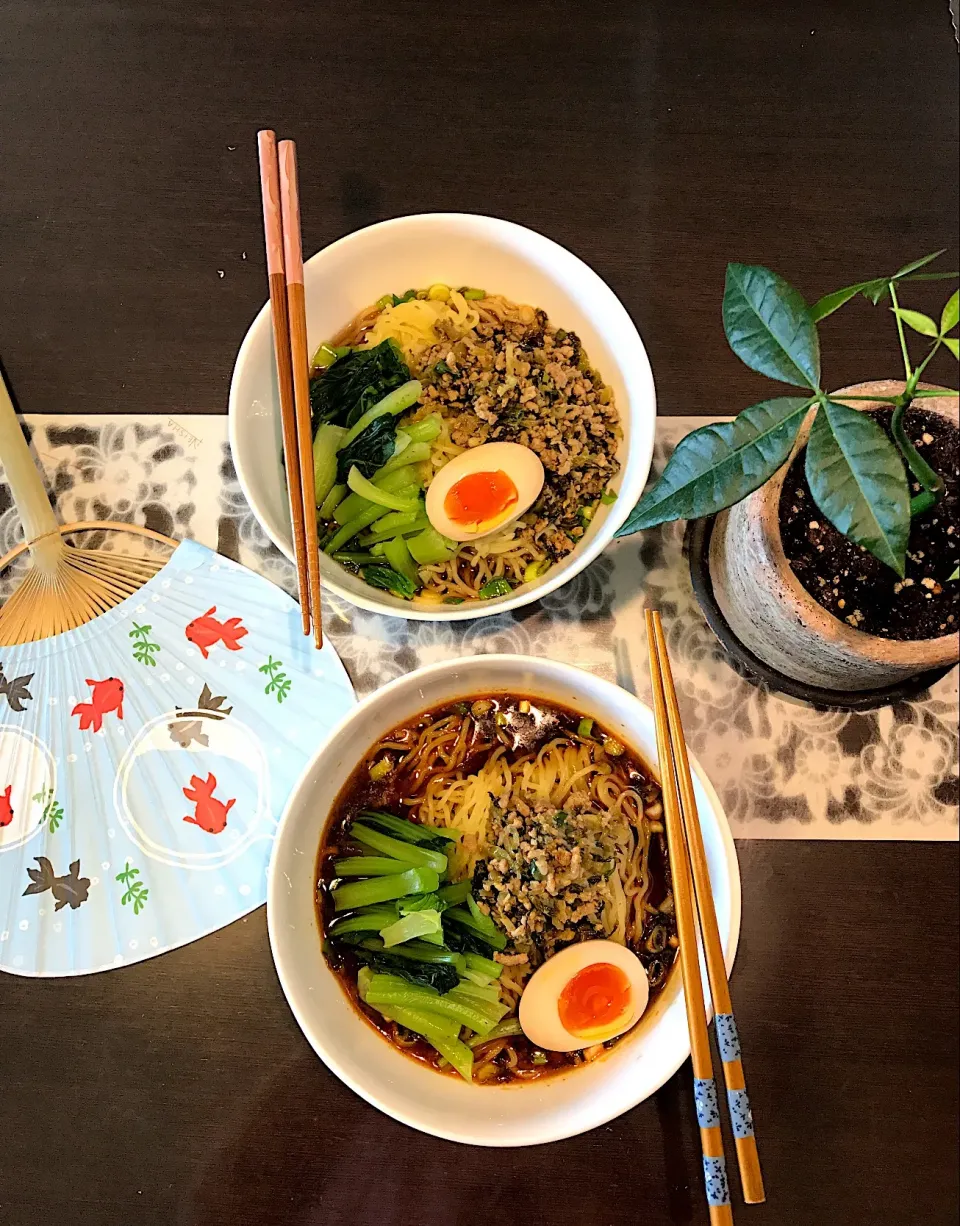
26	486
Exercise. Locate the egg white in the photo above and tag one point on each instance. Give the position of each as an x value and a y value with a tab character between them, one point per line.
540	1002
521	465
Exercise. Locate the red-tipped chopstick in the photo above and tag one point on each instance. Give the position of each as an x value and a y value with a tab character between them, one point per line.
281	227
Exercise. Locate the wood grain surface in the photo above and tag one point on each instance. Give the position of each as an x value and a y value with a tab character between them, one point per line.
657	140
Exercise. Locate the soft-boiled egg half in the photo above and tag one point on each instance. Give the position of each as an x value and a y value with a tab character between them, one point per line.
583	995
483	489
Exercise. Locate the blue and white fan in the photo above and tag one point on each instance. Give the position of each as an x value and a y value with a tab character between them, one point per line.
145	758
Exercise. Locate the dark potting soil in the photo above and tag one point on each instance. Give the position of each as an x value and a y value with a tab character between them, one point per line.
855	586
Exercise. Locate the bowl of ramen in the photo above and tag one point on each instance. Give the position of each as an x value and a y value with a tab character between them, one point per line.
470	904
482	416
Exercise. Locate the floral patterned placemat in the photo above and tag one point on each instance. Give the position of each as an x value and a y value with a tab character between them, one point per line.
784	769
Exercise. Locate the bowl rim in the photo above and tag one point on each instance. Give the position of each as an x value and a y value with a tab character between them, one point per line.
642	439
274	885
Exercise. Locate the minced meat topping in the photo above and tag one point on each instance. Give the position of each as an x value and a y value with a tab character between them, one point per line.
531	384
546	879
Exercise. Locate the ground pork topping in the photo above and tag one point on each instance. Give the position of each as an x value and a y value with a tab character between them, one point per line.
546	880
531	384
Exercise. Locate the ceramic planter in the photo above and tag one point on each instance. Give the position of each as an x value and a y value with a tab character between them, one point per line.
779	621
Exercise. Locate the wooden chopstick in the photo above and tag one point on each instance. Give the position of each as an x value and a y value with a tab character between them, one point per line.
273	238
705	1087
741	1117
296	311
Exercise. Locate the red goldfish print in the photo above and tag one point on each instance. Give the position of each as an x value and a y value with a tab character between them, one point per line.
6	808
206	631
210	814
107	696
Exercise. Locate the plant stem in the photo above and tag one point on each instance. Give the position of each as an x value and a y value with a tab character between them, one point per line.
915	377
932	482
903	339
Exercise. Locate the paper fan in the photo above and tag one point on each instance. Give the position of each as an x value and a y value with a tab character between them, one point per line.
145	758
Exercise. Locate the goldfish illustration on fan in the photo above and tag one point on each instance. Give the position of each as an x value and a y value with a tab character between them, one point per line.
206	631
107	697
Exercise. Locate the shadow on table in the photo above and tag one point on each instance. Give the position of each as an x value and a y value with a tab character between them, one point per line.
307	1152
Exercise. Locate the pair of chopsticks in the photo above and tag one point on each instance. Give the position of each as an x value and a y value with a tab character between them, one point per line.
281	229
692	895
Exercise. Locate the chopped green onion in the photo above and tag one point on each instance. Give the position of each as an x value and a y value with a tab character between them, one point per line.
539	1057
383	889
612	748
386	301
454	599
524	706
586	516
608	497
325	356
585	727
496	587
397	401
473	295
380	769
399	849
407	297
441	368
332	501
535	569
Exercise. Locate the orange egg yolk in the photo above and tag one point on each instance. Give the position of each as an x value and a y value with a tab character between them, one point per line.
478	498
594	999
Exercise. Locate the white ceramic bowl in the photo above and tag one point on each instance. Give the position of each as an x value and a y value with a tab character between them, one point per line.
458	249
560	1106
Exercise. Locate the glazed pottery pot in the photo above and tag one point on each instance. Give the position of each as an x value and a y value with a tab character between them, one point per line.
776	617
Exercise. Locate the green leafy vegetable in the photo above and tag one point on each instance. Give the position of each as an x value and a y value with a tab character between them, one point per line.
369	866
769	326
354	383
412	832
416	924
429	546
377	494
488	932
390	405
858	481
368	452
399	849
389	580
717	465
328	438
397	554
384	889
438	975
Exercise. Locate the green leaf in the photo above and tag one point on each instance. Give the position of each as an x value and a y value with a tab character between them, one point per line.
953	345
832	302
716	466
917	320
955	575
932	276
912	267
951	313
876	290
858	481
769	326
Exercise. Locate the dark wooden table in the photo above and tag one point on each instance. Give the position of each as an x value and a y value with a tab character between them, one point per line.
658	141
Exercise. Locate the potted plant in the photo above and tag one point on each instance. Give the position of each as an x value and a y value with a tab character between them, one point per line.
834	553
